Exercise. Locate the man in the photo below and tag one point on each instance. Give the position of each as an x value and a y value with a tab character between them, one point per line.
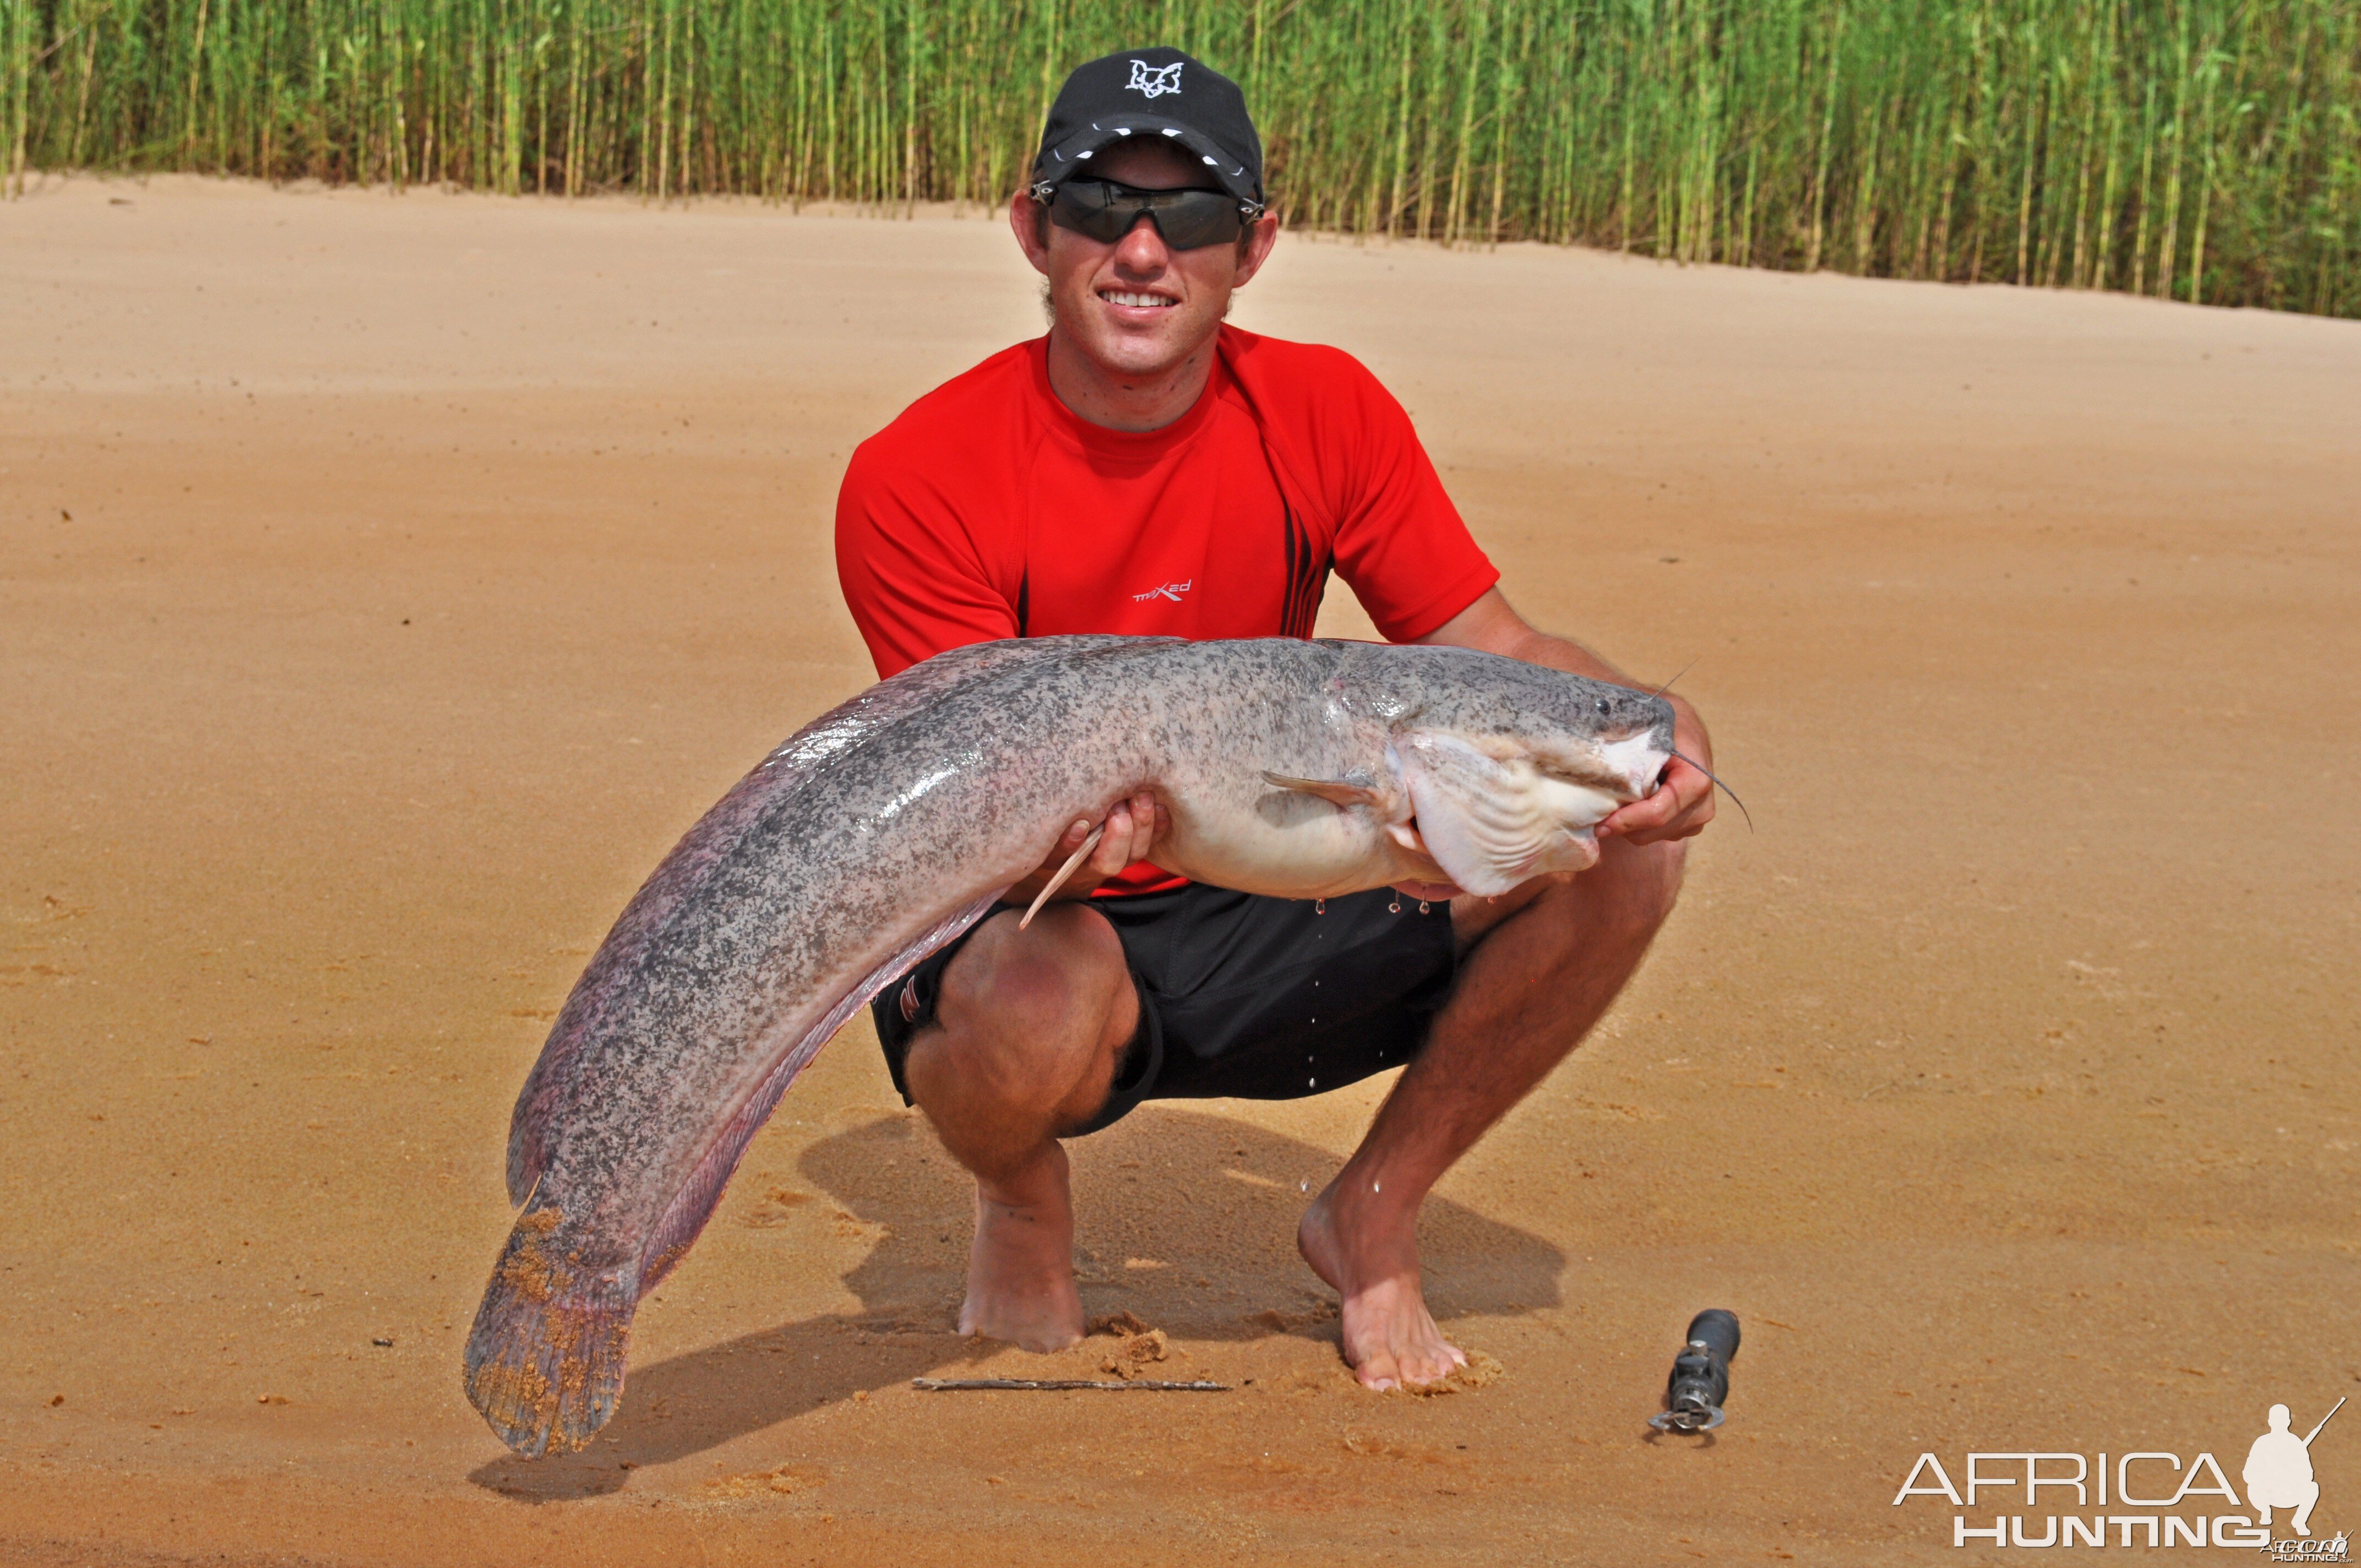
2279	1471
1145	470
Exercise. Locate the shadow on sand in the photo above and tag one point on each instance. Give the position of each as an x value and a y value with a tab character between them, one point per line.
1187	1219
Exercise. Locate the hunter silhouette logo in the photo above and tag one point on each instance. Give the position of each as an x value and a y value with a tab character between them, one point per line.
1154	80
2279	1470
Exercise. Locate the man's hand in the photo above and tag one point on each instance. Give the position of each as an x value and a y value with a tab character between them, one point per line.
1682	804
1132	826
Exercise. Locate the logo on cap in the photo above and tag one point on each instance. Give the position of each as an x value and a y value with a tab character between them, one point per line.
1155	82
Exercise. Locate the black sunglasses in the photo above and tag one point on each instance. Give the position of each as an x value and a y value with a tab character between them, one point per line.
1106	211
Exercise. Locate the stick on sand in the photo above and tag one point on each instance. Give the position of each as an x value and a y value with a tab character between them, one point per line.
1055	1384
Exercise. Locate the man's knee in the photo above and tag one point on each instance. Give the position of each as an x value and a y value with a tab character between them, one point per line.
1630	892
1066	962
1656	882
1024	1012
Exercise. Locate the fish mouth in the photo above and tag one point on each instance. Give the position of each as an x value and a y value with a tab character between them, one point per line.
1625	770
1636	763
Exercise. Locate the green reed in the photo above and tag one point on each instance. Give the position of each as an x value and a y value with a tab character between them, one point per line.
2195	149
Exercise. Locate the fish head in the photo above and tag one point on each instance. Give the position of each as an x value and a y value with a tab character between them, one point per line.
1508	771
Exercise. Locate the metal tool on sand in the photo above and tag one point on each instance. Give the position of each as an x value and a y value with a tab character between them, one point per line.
1699	1384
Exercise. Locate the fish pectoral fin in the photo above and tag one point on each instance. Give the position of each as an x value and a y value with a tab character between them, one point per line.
1336	791
1407	835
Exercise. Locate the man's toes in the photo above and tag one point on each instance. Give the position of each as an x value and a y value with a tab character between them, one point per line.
1380	1372
1425	1368
1050	1337
1431	1362
1034	1325
1038	1337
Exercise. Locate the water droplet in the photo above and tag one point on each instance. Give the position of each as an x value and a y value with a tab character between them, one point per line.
1395	908
1304	1185
1377	1187
1319	906
1421	907
1312	1083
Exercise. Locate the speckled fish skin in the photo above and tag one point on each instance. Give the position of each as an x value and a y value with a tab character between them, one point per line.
888	826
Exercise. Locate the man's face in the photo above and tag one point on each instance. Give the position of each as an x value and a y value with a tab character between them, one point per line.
1138	308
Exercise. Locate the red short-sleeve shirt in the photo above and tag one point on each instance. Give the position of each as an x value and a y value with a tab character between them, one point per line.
990	510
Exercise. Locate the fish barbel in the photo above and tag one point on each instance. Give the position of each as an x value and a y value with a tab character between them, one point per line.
884	828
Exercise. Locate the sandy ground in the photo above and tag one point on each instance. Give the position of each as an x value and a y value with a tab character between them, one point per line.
388	581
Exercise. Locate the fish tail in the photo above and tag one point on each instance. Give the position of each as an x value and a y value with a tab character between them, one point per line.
544	1361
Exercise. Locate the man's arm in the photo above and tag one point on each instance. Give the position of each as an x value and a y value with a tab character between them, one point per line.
1683	804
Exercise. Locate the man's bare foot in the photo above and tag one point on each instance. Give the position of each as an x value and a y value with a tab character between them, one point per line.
1020	1273
1365	1245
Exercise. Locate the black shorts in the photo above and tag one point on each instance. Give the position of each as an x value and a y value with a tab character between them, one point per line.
1242	996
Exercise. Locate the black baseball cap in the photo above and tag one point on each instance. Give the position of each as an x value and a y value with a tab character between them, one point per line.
1151	93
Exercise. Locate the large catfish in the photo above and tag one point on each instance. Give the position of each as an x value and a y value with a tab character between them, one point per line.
886	827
